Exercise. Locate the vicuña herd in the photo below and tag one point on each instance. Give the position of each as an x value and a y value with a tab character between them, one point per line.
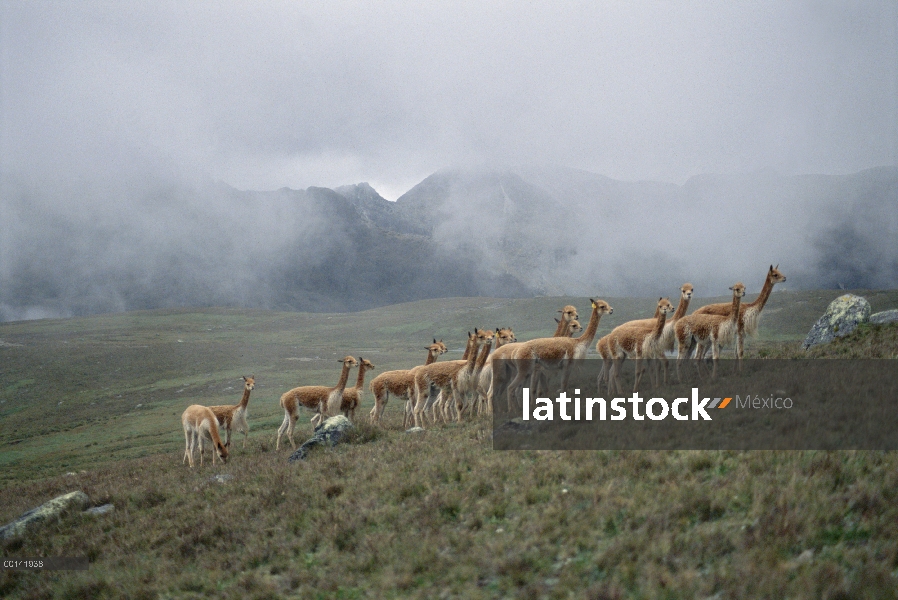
440	391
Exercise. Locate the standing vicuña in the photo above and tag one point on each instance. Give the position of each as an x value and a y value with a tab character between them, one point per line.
567	326
667	341
703	329
503	337
314	397
639	341
200	423
352	397
446	377
555	352
400	383
234	416
750	313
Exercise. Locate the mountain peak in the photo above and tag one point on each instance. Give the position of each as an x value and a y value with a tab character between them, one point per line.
360	192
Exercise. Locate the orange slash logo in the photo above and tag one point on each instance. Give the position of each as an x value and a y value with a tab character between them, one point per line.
718	404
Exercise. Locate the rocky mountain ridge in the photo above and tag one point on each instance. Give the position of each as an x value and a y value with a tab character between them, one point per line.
73	249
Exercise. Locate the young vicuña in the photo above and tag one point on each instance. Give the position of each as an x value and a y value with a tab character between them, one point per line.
233	416
199	423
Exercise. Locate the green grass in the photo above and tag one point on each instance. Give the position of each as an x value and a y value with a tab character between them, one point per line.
867	341
395	515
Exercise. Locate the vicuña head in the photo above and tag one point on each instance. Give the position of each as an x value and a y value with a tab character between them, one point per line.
437	348
601	306
569	313
774	274
504	335
573	326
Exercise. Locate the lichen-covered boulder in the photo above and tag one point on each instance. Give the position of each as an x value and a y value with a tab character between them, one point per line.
328	433
100	510
46	511
886	316
842	317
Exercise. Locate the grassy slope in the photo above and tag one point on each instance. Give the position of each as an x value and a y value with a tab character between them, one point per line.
103	395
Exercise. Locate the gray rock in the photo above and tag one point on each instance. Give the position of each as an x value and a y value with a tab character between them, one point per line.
327	434
415	430
516	426
886	316
100	510
223	478
48	510
842	316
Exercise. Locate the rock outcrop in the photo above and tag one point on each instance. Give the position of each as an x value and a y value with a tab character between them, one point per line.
842	317
886	316
46	511
328	433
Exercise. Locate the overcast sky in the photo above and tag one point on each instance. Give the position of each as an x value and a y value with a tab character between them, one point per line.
266	95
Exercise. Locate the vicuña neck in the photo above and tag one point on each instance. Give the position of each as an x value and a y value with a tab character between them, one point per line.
659	324
431	358
344	376
360	381
245	400
468	348
737	299
561	330
681	308
472	353
485	352
761	300
591	328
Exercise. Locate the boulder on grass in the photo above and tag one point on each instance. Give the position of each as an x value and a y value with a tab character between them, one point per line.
842	317
328	434
46	511
886	316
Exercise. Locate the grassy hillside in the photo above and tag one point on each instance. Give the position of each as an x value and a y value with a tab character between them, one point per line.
94	404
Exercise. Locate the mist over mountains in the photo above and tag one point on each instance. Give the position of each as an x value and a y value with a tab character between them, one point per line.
153	241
